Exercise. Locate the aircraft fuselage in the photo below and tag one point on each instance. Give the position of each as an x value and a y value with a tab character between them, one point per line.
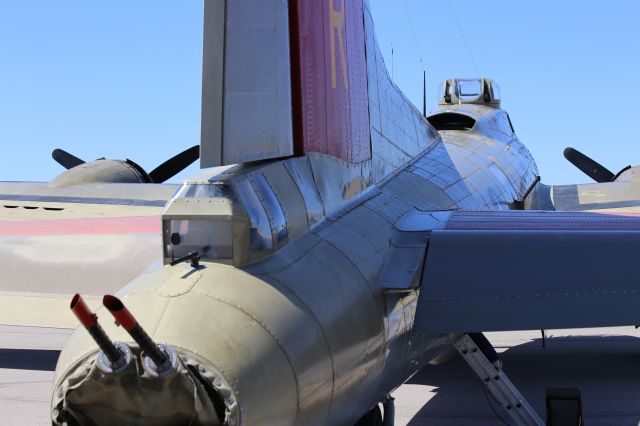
293	325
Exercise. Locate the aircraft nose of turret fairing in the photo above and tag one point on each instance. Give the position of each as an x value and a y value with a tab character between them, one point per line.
230	368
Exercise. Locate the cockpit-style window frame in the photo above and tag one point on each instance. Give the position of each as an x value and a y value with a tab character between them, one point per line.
211	239
468	90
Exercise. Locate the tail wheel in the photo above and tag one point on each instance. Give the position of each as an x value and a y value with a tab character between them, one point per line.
372	418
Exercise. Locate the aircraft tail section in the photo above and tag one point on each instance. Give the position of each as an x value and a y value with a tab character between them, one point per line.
292	78
330	77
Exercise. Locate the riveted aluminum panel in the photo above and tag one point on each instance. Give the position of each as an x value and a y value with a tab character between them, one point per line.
415	190
272	207
333	77
463	160
359	134
402	268
541	220
276	309
300	171
246	95
398	131
387	158
356	248
372	71
522	279
289	197
212	83
312	64
364	220
594	196
283	258
338	181
261	235
389	206
371	226
484	145
416	221
458	191
357	350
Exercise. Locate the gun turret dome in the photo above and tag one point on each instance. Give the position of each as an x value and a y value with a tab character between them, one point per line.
479	91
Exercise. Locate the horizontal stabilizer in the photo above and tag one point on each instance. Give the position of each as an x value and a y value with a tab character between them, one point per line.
498	271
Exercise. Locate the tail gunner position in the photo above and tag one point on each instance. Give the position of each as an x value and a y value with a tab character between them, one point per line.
307	280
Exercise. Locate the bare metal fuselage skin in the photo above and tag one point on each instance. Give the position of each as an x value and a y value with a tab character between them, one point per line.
317	256
288	320
305	335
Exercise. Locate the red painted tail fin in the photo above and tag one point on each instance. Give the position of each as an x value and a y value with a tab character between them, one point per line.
292	78
331	106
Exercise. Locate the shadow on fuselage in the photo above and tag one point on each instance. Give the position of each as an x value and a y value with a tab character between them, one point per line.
605	368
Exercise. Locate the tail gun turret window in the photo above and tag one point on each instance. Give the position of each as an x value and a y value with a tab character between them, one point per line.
233	222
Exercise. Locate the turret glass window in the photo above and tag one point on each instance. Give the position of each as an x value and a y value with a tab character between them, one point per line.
468	90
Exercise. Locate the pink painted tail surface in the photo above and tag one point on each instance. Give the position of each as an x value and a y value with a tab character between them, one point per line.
321	86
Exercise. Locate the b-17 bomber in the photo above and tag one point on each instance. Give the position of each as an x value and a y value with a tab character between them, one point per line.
337	241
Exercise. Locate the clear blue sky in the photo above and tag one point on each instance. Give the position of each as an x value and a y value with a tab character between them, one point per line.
122	78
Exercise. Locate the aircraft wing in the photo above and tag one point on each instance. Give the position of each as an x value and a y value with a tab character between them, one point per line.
523	270
58	241
621	196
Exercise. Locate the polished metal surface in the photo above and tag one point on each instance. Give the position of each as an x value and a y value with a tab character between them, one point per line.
246	78
300	171
272	207
329	71
314	314
621	196
569	287
356	240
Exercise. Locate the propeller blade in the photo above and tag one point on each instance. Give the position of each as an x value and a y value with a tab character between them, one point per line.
66	160
589	167
175	165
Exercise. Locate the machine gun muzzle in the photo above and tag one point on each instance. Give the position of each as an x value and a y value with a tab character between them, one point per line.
160	359
113	357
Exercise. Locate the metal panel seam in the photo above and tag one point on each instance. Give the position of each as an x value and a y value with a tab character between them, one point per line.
269	331
308	310
369	285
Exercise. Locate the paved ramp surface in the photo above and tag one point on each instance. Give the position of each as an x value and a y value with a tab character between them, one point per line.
27	359
604	363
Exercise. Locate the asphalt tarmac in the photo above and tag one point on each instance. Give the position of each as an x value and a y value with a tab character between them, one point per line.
603	363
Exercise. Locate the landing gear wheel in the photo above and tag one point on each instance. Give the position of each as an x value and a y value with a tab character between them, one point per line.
372	418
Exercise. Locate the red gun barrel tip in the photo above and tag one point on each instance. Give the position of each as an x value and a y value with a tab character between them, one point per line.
82	311
119	311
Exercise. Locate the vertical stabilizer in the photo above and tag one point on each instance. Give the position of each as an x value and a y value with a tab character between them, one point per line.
330	62
293	77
